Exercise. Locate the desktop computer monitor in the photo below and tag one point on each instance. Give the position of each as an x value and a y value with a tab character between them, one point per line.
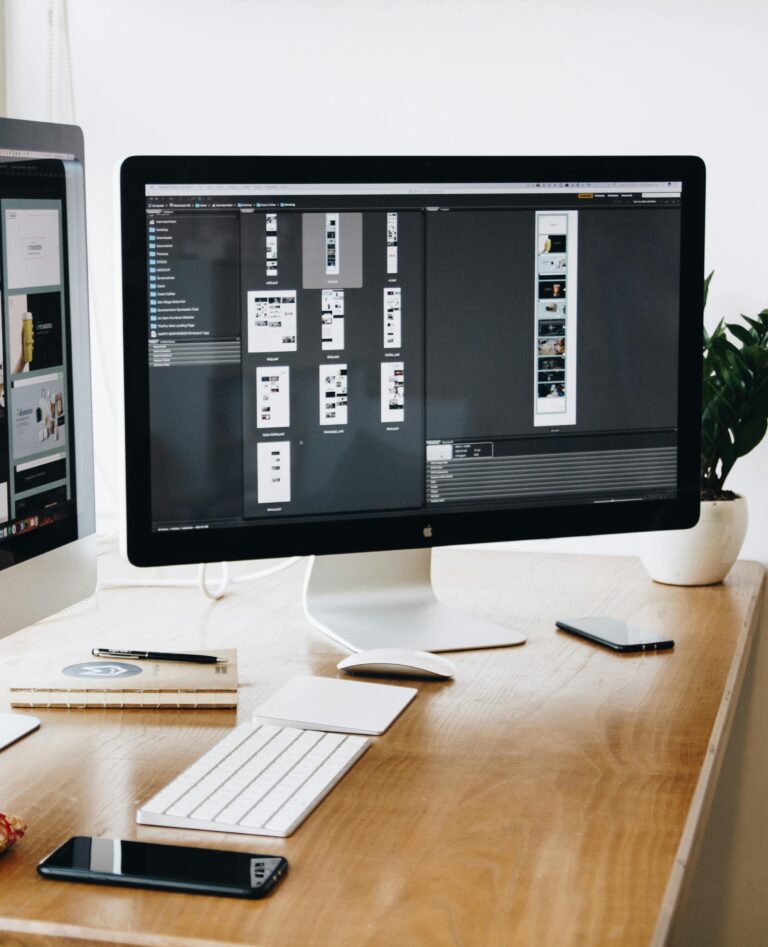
47	523
337	356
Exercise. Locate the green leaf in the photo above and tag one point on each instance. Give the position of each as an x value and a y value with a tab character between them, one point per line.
720	342
742	334
727	460
758	326
719	329
749	435
736	374
759	398
734	412
720	403
707	281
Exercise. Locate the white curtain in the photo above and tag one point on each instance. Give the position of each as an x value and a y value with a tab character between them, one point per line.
40	86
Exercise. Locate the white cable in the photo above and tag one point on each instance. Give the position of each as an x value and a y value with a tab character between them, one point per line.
221	590
149	584
272	570
226	580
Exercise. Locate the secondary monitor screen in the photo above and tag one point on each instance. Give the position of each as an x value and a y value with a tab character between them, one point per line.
41	269
345	351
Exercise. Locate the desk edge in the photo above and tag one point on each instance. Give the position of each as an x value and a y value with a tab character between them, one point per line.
701	802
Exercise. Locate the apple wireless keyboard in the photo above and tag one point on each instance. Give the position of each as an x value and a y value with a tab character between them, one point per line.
258	780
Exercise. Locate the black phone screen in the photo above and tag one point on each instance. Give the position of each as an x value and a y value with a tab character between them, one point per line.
174	867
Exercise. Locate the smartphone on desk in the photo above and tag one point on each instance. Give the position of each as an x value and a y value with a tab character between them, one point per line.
616	634
164	867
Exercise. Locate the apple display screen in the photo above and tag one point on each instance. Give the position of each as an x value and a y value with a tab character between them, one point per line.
341	363
39	264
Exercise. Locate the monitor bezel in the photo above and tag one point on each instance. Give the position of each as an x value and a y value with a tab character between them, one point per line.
67	571
422	529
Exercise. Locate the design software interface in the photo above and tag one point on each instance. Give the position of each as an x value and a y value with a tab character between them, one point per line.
329	350
37	480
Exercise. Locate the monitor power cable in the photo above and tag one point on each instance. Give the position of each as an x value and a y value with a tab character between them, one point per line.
214	592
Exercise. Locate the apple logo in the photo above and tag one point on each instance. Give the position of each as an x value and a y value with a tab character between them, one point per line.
427	532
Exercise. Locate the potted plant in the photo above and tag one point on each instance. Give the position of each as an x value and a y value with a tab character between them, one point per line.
734	421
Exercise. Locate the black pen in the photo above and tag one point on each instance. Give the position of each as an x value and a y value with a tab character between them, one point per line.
157	656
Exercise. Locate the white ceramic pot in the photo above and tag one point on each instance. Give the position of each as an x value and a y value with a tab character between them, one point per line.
702	555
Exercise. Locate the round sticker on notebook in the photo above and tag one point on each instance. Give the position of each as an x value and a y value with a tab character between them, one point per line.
102	669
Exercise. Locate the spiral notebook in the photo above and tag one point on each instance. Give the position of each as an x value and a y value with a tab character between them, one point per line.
73	680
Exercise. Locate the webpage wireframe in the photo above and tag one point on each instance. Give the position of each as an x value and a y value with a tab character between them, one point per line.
333	394
554	357
272	321
391	242
273	396
331	244
274	471
332	319
393	392
393	314
270	259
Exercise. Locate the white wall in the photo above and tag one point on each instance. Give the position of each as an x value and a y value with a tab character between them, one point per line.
439	76
3	108
415	76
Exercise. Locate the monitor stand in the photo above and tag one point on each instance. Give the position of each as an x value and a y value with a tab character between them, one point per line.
385	600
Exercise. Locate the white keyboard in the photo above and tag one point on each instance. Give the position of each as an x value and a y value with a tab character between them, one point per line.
259	780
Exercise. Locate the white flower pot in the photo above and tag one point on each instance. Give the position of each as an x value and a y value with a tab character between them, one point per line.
702	555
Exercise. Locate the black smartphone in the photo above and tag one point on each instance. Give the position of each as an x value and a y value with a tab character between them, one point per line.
164	867
615	634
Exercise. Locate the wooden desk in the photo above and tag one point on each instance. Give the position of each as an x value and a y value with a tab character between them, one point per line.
552	794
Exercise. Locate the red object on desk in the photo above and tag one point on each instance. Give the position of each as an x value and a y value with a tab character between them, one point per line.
11	830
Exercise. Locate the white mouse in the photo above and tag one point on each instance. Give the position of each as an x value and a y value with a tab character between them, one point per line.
398	661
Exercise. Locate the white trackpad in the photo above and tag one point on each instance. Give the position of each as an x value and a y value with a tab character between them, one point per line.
325	703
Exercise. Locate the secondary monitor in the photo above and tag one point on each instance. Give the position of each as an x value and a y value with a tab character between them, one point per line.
333	356
47	524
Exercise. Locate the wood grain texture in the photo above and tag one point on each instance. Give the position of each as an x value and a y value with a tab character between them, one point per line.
550	795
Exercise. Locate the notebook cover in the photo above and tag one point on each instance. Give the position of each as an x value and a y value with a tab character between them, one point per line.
326	703
72	680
